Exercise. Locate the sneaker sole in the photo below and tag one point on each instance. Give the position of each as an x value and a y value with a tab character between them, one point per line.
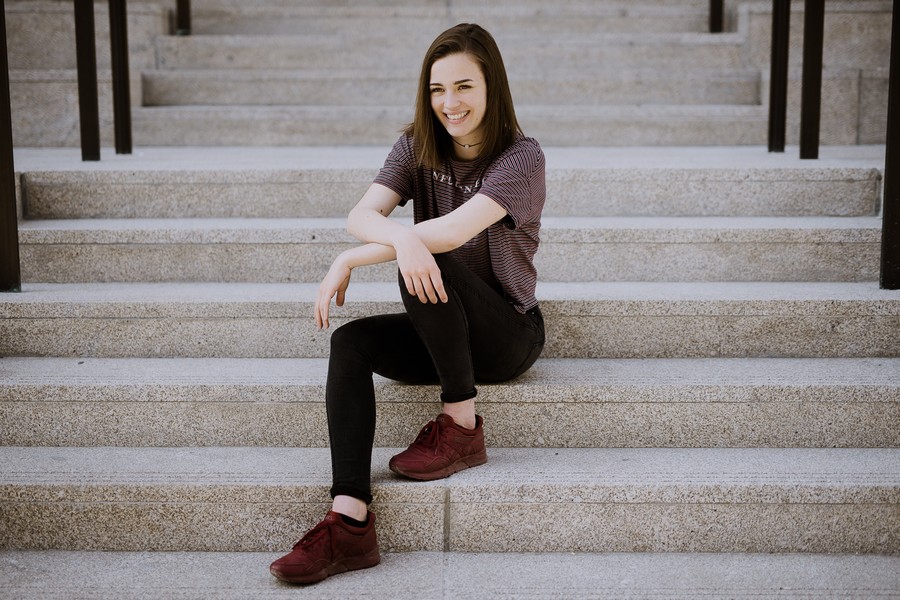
351	564
473	460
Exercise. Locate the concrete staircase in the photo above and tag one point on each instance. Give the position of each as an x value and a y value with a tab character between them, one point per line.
610	73
716	412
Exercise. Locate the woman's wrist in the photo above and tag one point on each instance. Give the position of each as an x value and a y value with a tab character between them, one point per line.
345	259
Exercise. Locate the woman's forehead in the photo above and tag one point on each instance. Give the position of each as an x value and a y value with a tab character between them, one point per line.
455	68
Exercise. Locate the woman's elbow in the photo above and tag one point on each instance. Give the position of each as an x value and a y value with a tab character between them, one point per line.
355	222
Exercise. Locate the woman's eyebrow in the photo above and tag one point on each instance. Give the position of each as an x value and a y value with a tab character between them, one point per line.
455	82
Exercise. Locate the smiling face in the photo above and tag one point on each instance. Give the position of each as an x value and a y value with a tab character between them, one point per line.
459	98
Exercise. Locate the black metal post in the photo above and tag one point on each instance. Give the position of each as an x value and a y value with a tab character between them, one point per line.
890	232
778	85
716	16
183	17
118	41
10	274
811	94
88	104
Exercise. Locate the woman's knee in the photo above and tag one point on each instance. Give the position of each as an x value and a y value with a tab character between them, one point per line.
355	337
343	337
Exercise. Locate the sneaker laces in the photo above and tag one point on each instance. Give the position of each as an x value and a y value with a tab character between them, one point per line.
313	535
429	435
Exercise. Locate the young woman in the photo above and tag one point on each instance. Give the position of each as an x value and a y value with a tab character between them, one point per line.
467	281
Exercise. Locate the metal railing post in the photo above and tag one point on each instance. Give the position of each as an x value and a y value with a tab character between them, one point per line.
88	104
10	273
118	42
716	16
890	232
811	94
778	84
183	17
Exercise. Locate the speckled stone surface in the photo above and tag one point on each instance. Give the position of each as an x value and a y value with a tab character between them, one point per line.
435	576
572	249
403	18
352	87
194	499
584	320
263	185
559	402
239	499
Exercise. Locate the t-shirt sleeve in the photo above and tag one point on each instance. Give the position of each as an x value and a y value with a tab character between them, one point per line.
516	182
398	172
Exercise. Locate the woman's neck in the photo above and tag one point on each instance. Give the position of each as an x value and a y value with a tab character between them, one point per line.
466	151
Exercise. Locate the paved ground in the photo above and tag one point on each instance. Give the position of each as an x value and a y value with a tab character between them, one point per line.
425	576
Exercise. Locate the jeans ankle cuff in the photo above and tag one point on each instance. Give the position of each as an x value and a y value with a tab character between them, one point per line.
452	398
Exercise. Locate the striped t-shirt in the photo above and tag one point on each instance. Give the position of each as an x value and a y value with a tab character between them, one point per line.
503	254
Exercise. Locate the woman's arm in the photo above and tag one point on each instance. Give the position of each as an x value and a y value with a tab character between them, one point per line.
337	280
412	247
368	221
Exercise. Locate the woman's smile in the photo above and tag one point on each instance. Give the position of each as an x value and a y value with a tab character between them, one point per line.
457	117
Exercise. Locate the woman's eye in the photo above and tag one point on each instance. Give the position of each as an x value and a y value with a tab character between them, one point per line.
436	90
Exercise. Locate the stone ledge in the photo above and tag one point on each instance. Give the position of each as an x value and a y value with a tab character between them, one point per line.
434	576
228	499
559	402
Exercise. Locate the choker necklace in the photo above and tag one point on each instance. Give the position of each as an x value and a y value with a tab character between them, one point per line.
465	145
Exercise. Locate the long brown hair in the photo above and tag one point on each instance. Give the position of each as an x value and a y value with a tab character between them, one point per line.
433	144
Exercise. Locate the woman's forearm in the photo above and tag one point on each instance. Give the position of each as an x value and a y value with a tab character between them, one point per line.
367	254
367	225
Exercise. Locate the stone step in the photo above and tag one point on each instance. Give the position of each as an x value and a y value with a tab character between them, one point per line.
558	403
588	500
173	182
523	53
397	21
584	320
572	249
354	87
64	575
582	125
442	6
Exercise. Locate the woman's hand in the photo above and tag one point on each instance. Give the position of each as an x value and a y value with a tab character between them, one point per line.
335	284
419	270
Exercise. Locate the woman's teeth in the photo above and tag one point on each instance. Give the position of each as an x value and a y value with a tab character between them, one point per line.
457	116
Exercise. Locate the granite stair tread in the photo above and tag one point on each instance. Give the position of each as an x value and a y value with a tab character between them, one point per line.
246	298
57	575
854	475
586	320
324	50
292	182
297	229
573	249
764	499
577	125
57	379
559	402
328	87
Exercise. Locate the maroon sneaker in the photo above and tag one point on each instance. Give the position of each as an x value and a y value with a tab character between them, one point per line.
329	548
441	449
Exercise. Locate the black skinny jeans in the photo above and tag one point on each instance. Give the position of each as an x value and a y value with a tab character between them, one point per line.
477	336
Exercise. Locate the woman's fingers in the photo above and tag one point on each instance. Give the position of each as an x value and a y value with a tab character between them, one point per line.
335	283
427	288
322	312
439	287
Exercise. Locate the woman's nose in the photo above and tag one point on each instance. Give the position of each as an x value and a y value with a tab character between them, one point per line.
451	100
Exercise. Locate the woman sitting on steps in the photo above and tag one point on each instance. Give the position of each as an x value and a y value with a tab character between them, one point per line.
466	277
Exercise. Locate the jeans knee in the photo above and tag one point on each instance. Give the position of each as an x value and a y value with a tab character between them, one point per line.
343	338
